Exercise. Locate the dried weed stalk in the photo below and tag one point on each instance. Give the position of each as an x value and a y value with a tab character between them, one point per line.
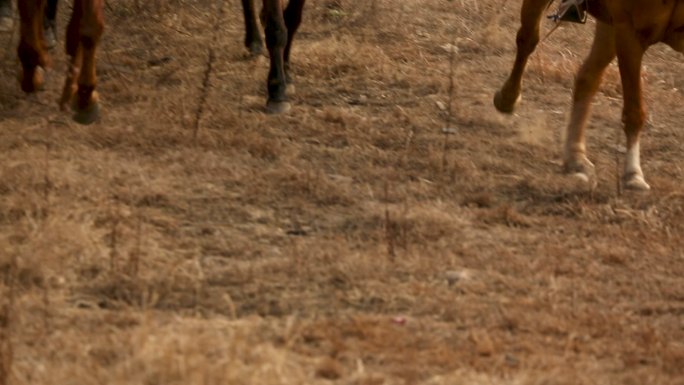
618	184
47	319
390	236
46	175
7	311
404	225
449	116
134	260
204	92
113	245
211	58
199	287
10	44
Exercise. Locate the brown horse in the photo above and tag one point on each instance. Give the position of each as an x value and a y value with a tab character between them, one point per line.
280	25
624	28
82	38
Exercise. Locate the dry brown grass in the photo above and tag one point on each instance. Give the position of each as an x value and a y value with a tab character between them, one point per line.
342	243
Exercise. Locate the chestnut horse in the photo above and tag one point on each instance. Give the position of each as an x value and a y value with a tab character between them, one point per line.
280	25
625	29
82	38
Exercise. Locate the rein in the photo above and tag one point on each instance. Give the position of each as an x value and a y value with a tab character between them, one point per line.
573	11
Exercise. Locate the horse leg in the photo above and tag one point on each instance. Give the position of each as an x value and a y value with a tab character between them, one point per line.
31	51
276	40
253	41
83	35
630	52
293	19
6	22
86	105
50	24
75	53
586	86
526	40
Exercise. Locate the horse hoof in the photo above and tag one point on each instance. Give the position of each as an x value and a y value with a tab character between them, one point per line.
255	49
275	108
6	24
290	89
505	106
579	168
87	115
577	163
50	38
635	182
581	177
35	83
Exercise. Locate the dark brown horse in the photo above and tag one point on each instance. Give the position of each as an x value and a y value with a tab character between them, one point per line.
624	29
280	25
82	38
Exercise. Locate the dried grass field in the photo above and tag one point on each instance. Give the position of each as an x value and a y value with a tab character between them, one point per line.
391	229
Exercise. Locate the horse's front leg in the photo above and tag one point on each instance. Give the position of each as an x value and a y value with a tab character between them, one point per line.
527	39
586	85
31	50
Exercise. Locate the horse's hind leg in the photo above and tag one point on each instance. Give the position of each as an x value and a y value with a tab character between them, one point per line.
31	51
253	41
630	52
293	18
586	85
83	36
276	40
526	40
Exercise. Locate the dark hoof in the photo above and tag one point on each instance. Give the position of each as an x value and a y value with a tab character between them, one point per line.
34	83
255	49
275	108
88	115
6	24
50	38
503	105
